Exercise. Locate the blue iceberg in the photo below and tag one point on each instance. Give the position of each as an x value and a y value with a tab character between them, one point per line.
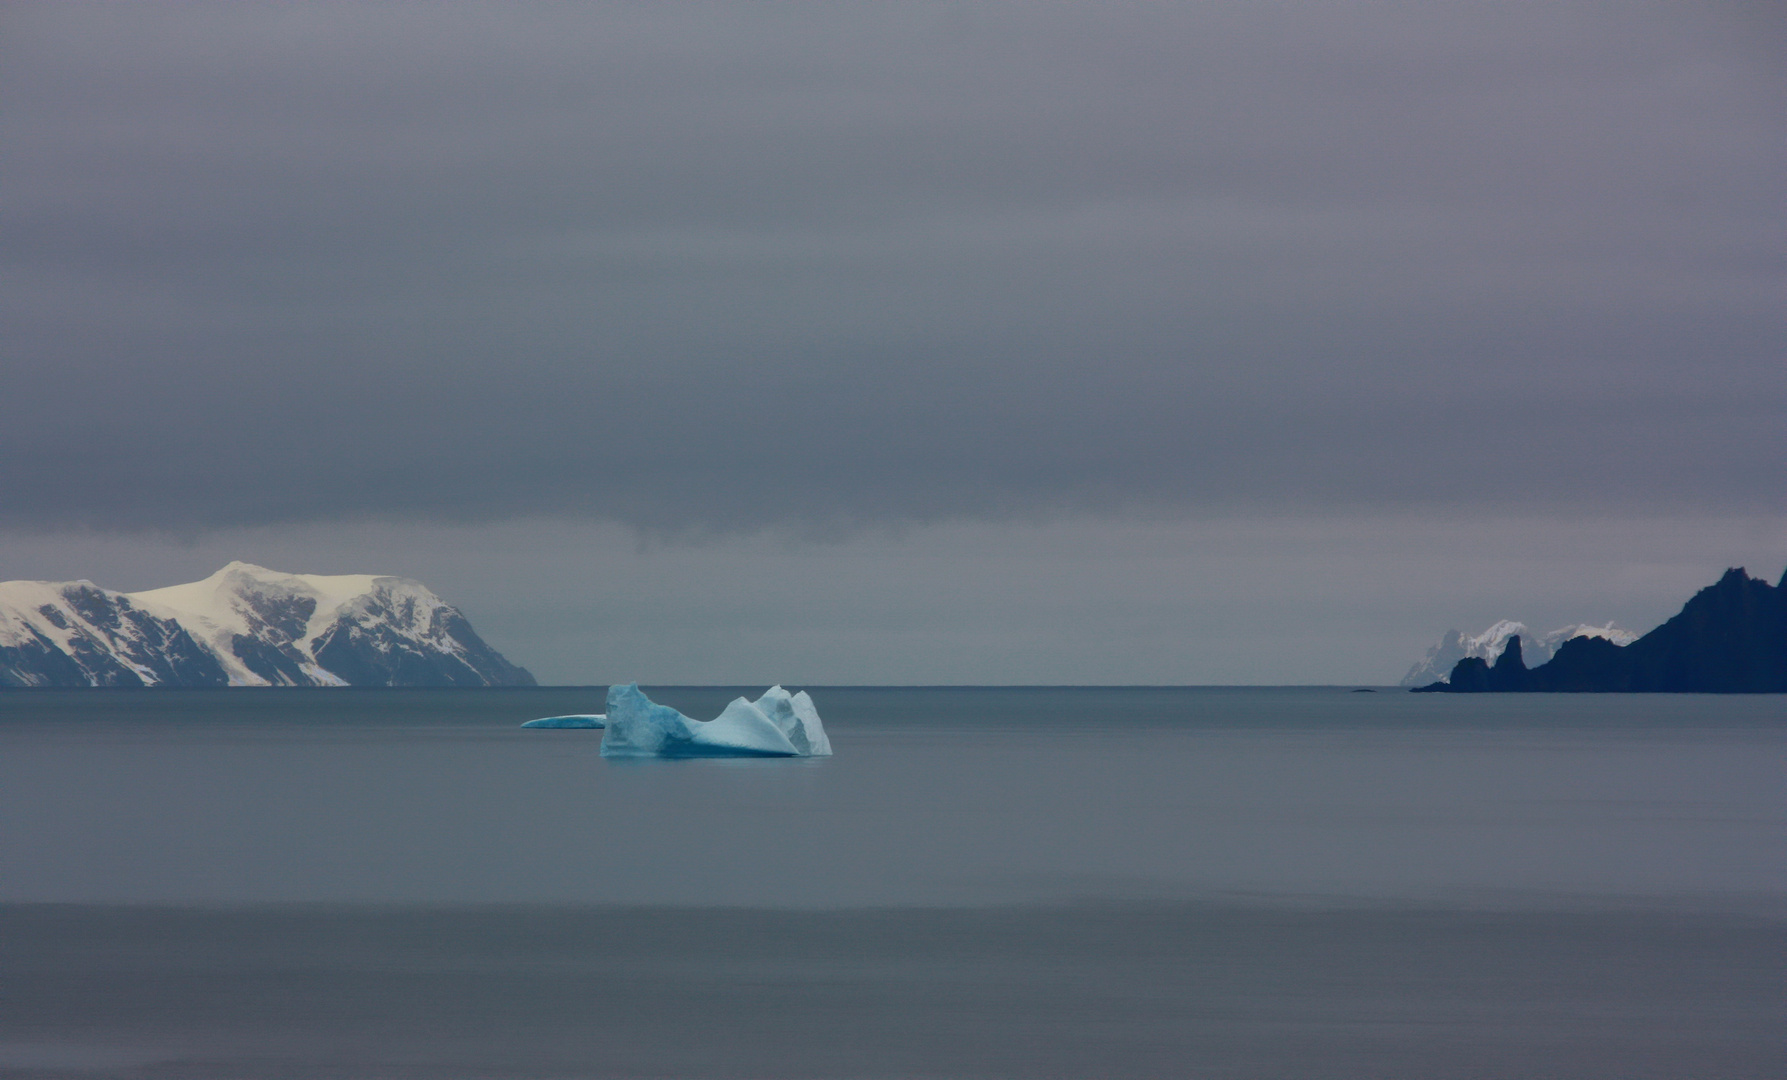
577	720
778	724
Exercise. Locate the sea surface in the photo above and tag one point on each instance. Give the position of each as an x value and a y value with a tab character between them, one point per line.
983	882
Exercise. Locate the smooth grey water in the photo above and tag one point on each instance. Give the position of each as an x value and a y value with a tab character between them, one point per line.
986	882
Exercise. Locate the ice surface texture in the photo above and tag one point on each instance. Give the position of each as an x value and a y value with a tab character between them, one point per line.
577	720
778	724
797	719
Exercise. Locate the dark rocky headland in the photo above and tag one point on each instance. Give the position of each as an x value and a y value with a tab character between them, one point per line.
1731	638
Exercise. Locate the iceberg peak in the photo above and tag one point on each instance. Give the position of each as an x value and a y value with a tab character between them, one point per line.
797	719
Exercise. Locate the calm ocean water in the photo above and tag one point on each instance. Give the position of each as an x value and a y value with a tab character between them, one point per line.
982	883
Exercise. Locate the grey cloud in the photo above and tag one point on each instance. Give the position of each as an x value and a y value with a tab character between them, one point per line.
699	267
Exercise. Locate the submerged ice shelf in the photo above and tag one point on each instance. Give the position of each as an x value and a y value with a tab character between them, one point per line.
778	724
576	720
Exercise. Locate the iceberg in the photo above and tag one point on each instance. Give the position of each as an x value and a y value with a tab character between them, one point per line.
576	720
778	724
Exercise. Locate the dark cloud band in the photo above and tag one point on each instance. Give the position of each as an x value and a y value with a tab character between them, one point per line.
700	267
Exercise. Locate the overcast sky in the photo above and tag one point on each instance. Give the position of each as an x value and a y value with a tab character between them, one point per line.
1204	342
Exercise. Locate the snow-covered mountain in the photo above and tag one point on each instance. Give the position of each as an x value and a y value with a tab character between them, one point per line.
1535	649
244	626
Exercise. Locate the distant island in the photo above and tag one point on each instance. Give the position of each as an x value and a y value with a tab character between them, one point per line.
243	626
1730	638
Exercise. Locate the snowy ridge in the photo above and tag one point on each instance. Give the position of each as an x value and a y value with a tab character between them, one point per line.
1535	649
245	625
76	633
244	600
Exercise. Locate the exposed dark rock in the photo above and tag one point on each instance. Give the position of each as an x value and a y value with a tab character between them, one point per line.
1469	676
1730	638
279	666
1586	665
1509	674
278	618
38	662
